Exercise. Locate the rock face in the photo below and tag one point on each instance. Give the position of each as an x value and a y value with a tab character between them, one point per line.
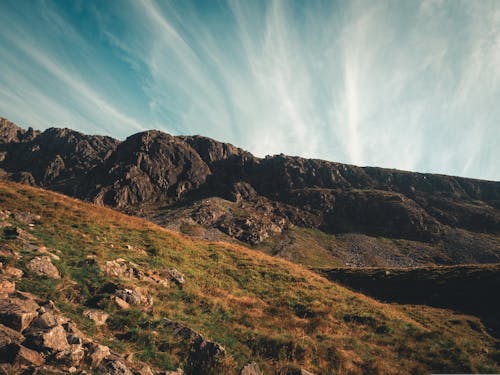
221	187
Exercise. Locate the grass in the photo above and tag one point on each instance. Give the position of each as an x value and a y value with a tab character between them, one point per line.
258	307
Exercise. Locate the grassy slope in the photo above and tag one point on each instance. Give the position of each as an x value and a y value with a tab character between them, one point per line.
259	307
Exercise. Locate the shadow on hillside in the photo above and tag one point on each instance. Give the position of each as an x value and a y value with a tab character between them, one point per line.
471	289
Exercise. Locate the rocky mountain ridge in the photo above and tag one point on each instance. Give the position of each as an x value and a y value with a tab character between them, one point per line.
217	186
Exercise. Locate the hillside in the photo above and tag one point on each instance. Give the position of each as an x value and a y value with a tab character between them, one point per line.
279	204
176	302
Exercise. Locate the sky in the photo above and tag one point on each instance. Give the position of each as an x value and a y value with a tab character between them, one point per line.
404	84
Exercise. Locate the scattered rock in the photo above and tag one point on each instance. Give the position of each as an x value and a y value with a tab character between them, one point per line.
99	317
43	266
112	366
251	369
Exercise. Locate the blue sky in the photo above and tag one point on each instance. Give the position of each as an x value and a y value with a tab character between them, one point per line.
400	84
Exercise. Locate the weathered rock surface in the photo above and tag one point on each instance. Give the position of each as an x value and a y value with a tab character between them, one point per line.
46	339
42	265
17	314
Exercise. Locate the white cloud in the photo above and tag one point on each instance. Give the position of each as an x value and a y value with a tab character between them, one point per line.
411	85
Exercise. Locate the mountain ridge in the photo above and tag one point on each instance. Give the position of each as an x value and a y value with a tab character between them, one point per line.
158	175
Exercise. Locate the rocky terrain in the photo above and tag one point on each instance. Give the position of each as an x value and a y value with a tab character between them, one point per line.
88	290
214	190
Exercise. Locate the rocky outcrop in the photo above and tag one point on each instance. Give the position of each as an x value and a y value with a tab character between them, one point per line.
147	167
34	335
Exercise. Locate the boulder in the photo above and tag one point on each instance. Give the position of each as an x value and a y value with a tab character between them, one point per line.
251	369
173	275
99	317
20	355
16	314
50	340
42	266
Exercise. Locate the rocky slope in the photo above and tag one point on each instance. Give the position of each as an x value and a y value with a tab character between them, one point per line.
227	193
86	289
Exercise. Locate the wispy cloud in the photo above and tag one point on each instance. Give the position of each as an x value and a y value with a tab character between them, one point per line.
411	85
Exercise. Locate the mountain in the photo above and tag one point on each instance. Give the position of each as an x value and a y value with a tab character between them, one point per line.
313	212
86	289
